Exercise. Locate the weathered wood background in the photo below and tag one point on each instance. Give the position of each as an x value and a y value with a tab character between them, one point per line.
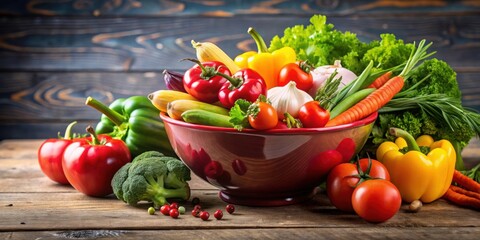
55	53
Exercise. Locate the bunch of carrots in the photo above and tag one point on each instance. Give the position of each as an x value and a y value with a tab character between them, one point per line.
464	191
385	87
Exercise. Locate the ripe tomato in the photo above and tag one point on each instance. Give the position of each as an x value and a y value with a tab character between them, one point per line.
311	114
264	118
376	200
343	179
50	155
294	72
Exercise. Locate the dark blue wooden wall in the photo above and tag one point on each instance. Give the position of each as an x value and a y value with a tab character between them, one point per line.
53	54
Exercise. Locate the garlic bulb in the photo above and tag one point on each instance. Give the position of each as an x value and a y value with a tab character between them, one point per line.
287	98
322	73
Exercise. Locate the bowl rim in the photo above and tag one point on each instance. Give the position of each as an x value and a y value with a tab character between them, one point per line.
365	121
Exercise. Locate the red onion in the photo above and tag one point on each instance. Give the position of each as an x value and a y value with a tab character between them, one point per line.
173	80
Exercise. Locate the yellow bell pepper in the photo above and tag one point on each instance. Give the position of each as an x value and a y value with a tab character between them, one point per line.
267	64
418	176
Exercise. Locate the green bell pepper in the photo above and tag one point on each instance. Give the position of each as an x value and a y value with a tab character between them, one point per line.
135	121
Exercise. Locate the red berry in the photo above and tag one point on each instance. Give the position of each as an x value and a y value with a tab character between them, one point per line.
230	208
174	205
174	213
218	214
165	209
204	215
197	207
195	212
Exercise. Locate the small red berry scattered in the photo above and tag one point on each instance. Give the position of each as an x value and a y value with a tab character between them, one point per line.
165	209
230	208
204	215
218	214
174	205
174	213
197	207
196	212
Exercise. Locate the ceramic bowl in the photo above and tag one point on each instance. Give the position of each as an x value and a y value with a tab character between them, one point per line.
265	168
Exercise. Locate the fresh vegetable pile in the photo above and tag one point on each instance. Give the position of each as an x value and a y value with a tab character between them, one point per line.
274	90
129	129
311	77
429	102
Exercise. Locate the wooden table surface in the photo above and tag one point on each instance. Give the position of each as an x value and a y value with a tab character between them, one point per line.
34	207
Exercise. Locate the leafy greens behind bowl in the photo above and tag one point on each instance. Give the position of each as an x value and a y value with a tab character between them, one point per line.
430	101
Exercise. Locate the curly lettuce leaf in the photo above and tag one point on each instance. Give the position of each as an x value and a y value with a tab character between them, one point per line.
389	53
320	44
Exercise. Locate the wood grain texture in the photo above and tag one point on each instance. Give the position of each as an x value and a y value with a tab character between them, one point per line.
40	104
53	211
152	44
365	232
61	96
231	8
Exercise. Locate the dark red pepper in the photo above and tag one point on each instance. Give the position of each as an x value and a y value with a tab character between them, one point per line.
202	81
244	84
50	155
90	165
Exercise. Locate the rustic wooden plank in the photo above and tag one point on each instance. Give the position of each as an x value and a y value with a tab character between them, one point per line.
61	96
23	209
45	211
230	8
152	44
15	173
365	232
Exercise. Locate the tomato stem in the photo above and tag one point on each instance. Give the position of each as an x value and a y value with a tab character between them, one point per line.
364	175
95	140
68	131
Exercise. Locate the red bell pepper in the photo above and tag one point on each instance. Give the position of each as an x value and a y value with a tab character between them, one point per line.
90	165
50	155
245	84
202	82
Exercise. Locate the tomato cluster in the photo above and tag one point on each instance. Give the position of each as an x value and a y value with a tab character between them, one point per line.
364	188
86	163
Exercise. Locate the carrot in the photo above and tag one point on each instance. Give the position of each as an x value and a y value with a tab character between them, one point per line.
466	182
350	100
465	192
462	200
383	94
371	103
380	80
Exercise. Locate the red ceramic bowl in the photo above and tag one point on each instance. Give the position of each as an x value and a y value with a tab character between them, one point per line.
265	168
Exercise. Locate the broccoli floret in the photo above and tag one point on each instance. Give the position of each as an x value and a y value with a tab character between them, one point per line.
407	121
177	174
152	177
120	176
